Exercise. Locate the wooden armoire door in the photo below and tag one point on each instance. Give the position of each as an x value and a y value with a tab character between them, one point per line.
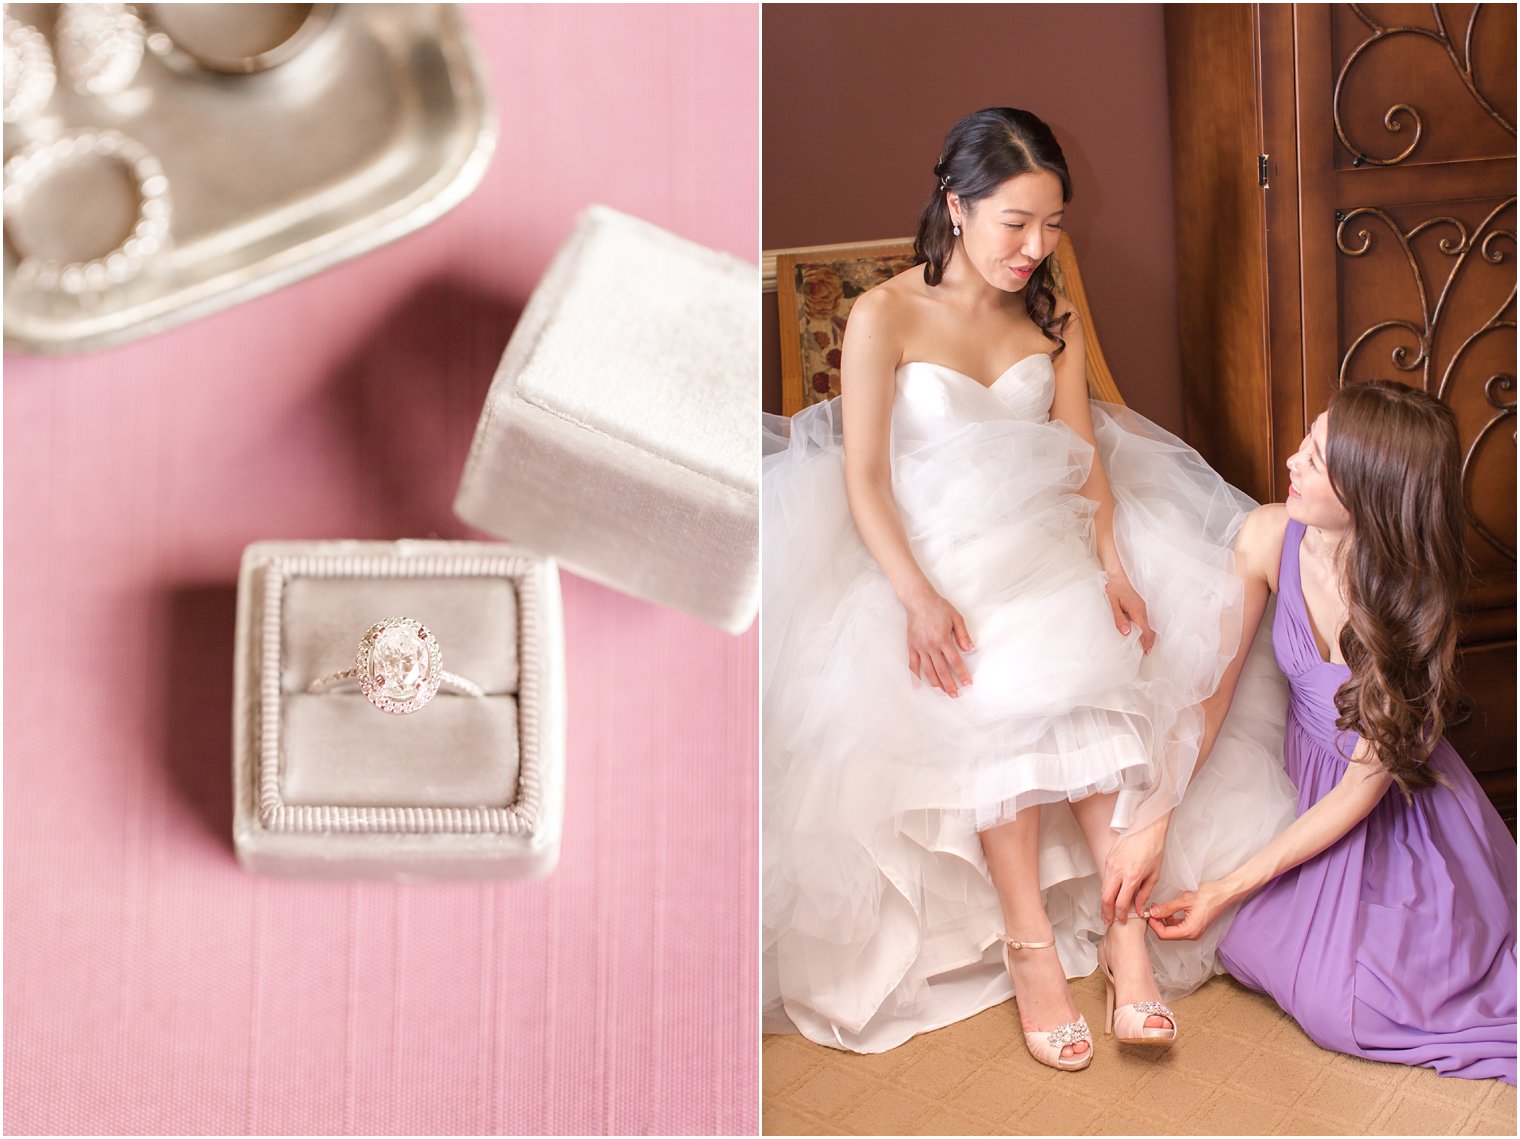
1345	180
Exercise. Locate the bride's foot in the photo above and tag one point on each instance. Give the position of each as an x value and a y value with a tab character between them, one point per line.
1135	1011
1054	1032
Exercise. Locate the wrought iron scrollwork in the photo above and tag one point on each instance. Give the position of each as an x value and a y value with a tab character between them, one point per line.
1494	390
1396	116
1421	333
1462	244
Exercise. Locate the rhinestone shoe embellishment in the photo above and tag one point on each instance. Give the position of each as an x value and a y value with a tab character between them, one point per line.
1072	1033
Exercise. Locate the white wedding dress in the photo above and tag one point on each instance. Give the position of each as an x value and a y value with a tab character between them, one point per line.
879	918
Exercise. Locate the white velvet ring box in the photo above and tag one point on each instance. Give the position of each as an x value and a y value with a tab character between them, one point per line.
328	785
619	435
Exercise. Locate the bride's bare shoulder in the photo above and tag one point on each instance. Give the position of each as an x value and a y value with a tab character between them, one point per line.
896	294
891	304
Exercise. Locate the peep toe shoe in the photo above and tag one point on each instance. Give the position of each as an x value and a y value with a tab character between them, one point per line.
1045	1045
1127	1022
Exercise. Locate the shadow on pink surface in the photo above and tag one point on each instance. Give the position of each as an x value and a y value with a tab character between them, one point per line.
395	418
194	704
410	411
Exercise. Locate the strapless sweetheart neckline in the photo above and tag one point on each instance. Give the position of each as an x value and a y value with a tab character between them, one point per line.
1008	371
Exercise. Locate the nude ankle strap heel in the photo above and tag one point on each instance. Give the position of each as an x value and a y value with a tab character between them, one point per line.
1045	1044
1127	1022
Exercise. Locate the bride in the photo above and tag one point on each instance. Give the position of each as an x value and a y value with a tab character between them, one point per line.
990	610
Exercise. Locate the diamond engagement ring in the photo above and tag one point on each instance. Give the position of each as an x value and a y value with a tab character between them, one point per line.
399	668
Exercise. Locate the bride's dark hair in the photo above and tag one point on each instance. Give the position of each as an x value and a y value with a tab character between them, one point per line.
1394	461
981	152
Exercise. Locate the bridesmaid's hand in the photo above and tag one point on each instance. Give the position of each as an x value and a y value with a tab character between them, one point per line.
1129	609
936	638
1131	870
1189	914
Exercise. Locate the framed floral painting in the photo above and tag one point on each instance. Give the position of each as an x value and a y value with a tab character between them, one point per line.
816	288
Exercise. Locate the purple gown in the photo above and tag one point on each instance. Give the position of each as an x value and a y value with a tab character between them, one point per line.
1398	942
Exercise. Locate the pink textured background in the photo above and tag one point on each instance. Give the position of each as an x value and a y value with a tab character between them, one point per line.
152	986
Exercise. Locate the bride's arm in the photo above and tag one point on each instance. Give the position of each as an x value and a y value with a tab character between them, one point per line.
1070	406
936	632
1134	861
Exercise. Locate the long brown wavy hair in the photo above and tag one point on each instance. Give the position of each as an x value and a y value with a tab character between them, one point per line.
1393	458
981	152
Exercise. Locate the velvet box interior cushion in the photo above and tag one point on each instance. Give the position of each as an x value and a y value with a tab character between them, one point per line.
456	751
474	618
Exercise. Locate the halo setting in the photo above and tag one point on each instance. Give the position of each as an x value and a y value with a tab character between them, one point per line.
399	665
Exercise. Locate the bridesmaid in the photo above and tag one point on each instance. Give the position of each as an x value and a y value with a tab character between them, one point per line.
1383	917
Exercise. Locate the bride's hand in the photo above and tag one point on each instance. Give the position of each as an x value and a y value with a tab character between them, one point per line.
936	638
1129	608
1131	870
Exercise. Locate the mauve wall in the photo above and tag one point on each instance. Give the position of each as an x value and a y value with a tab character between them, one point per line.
857	100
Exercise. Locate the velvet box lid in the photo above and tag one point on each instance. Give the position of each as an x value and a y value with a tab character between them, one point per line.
619	435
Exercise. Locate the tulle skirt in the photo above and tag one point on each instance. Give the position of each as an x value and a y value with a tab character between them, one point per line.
879	918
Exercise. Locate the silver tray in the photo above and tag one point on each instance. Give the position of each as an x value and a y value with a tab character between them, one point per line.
377	128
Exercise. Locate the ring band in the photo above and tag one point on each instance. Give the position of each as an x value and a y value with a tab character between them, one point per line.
399	668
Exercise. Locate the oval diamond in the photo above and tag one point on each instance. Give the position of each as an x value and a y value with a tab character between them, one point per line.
399	663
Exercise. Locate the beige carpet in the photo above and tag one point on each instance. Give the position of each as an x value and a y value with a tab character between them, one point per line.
1241	1067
